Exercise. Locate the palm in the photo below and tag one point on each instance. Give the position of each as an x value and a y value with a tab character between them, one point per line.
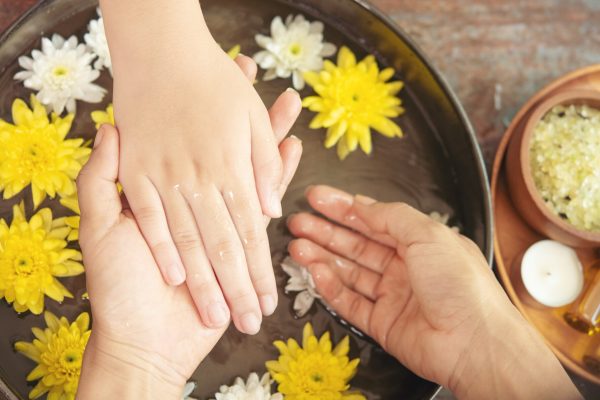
415	327
130	299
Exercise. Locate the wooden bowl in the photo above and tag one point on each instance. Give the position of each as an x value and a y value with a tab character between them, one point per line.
521	186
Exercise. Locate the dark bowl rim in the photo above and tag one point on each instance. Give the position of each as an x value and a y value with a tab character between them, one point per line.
571	96
437	76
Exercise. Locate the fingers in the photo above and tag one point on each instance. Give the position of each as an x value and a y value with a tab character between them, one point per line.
337	205
248	66
226	255
354	276
284	112
266	163
246	214
201	280
98	196
341	241
351	306
147	206
400	221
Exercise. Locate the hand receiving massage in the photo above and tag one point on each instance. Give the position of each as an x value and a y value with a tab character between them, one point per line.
148	337
198	158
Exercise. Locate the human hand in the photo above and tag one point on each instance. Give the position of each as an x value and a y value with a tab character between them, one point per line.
145	333
199	162
425	294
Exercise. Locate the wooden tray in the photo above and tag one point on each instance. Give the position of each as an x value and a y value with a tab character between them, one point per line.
512	236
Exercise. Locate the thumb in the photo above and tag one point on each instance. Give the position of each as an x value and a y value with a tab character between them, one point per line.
99	198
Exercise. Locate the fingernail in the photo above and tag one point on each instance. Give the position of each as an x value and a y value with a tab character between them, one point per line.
175	274
250	323
276	205
359	198
99	136
296	138
218	314
308	189
291	90
267	304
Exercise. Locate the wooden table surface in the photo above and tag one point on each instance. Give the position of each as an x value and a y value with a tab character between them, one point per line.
494	53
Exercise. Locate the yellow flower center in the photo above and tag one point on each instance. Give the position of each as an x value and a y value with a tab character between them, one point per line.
23	265
60	71
26	255
71	360
38	154
295	49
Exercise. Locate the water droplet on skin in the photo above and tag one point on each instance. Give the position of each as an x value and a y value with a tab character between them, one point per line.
176	187
229	195
350	218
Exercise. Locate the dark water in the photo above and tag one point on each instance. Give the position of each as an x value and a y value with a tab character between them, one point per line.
415	169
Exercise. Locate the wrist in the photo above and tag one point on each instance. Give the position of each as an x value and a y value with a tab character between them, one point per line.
148	32
116	370
509	359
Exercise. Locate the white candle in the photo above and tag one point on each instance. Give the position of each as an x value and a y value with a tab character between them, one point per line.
552	273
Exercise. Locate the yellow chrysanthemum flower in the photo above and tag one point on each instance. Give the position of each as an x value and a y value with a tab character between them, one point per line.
104	116
314	371
58	352
35	151
353	98
72	203
32	255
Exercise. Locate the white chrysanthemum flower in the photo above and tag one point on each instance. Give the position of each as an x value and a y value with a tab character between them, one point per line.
61	74
253	389
443	219
187	391
292	49
300	281
95	38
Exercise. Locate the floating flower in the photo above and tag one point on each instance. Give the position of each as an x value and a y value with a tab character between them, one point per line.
58	352
314	371
253	389
36	152
32	255
353	98
72	203
187	391
101	117
292	49
95	38
61	74
300	281
443	219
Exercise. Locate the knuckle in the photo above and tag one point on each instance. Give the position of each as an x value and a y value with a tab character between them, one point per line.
186	241
358	248
254	238
147	215
243	299
354	276
201	287
227	252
